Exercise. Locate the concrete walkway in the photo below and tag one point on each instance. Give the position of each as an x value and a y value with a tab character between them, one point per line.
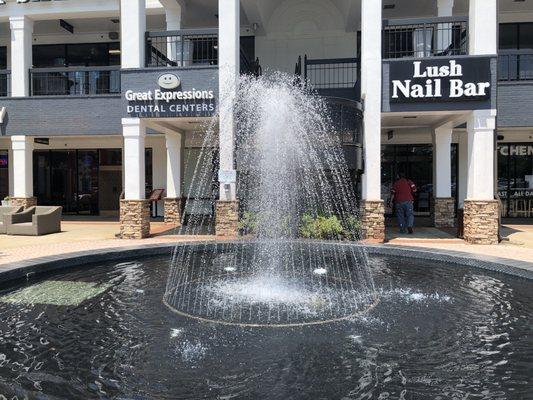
79	236
86	235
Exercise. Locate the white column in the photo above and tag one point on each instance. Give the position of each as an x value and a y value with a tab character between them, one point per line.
229	64
442	161
444	34
483	27
21	55
445	8
134	132
480	126
22	150
463	169
371	95
133	29
173	143
173	13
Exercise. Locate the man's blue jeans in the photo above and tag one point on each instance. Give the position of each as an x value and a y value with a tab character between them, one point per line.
404	212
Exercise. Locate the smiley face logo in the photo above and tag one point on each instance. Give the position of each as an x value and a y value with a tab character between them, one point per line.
168	81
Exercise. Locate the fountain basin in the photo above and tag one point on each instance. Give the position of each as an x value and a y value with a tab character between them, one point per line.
444	326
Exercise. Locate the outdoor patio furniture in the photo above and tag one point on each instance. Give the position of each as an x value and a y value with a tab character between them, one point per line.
34	221
7	210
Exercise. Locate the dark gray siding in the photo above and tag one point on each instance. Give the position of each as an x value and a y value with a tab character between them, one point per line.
515	104
92	115
59	116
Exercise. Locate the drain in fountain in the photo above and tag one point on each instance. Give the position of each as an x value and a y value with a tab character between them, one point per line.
291	174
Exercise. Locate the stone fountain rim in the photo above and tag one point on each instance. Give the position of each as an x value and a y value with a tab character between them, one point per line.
33	268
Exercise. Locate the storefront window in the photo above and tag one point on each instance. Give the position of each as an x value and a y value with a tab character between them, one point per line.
3	57
78	54
200	183
516	51
515	179
416	161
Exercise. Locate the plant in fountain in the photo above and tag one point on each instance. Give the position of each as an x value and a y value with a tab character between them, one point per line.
292	181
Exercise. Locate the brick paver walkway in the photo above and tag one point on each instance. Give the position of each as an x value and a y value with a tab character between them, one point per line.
87	235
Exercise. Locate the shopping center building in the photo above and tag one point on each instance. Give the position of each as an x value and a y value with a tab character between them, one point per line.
105	103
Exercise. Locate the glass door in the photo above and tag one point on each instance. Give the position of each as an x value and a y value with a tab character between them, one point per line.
87	183
63	180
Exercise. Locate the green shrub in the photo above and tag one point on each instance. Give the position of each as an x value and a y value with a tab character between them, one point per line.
352	227
321	227
248	223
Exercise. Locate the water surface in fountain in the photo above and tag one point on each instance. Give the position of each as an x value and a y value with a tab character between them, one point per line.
291	169
439	332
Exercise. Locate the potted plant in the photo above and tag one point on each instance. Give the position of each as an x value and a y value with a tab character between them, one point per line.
6	202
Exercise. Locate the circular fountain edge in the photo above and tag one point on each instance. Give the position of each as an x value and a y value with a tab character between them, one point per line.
30	269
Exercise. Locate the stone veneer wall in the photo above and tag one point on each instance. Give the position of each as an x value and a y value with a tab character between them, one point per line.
173	211
444	212
373	220
227	218
25	202
481	221
134	219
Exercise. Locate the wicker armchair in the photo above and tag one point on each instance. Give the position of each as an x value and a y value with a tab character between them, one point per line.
4	210
34	221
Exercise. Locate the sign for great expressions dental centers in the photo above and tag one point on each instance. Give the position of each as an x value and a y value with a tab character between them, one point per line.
169	99
467	80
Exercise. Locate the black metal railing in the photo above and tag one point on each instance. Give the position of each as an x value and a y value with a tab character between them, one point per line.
331	73
5	83
250	67
337	77
515	65
429	37
193	47
75	81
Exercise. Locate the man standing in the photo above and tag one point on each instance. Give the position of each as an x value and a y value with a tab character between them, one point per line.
402	197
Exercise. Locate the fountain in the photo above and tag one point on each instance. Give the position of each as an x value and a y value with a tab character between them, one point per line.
292	173
282	314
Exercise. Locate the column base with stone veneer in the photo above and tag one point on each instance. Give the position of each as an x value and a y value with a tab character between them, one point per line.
25	202
481	221
227	218
373	220
173	211
444	212
134	219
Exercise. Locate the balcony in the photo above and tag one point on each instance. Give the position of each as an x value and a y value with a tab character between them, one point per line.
334	77
422	38
192	48
75	81
515	65
5	83
184	48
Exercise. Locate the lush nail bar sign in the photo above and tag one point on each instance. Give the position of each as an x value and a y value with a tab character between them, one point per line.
464	79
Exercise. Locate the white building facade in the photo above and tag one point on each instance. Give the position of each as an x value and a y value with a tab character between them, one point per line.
104	104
